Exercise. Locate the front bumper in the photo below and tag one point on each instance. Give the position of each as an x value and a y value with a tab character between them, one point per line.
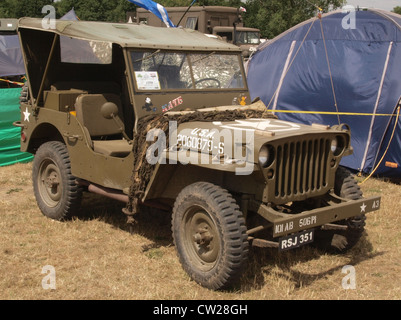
338	209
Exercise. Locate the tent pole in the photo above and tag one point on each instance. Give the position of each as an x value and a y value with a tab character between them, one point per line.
287	62
376	106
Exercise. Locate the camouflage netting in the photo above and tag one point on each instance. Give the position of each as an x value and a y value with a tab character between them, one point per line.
143	170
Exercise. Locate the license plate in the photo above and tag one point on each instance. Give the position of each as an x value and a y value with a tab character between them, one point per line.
296	240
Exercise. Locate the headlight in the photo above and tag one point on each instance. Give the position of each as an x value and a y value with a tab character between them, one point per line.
337	145
334	145
266	155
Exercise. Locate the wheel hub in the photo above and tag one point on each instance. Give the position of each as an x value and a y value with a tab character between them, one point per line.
203	237
50	188
52	180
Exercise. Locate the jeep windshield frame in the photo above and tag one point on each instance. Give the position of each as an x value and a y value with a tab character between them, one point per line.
167	70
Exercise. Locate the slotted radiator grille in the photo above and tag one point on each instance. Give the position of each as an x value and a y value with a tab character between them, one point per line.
301	167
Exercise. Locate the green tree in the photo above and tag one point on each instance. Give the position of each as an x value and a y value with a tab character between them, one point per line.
397	10
186	3
275	16
272	17
22	8
115	10
96	10
101	10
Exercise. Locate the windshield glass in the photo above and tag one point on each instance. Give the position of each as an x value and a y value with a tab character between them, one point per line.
248	37
156	70
82	51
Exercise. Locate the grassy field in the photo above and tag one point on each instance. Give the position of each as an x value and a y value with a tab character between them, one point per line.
95	257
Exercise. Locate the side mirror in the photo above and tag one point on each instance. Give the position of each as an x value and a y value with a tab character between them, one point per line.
109	110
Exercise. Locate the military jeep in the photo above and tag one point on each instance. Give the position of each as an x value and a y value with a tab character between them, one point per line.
161	117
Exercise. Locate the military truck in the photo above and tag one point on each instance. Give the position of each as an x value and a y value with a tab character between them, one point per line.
8	26
161	117
224	22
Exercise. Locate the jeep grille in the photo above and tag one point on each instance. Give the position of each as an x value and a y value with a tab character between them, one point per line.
301	169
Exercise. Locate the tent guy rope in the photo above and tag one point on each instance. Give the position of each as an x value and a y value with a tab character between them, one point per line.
12	82
388	145
319	16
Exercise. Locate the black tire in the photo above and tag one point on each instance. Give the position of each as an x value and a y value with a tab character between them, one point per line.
209	235
340	241
56	192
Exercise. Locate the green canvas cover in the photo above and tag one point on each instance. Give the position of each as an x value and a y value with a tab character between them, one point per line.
9	135
131	35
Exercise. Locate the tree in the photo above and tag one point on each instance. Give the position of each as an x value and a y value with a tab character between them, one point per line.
96	10
272	17
397	10
22	8
275	16
115	10
100	10
186	3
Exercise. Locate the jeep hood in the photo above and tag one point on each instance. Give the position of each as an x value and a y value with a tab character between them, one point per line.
240	140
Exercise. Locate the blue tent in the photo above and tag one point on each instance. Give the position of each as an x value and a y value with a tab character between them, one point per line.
11	63
11	67
70	15
344	67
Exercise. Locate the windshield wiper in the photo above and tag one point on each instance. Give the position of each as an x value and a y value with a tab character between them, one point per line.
202	58
147	57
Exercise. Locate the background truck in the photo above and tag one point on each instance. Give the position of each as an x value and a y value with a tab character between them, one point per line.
8	26
225	22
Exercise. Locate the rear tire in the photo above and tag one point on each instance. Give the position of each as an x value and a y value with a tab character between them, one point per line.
57	194
339	241
209	235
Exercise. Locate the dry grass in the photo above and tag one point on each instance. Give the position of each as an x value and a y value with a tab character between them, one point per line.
95	257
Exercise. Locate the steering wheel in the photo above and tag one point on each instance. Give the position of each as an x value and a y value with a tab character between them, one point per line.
209	79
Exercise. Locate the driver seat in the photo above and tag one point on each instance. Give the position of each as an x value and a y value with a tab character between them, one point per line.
103	135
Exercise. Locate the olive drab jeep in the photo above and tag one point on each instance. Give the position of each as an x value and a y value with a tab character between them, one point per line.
162	117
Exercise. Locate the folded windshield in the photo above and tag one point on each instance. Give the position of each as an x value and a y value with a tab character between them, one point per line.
156	70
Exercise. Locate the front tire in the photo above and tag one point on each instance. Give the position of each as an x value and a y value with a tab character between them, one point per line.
209	235
341	241
54	186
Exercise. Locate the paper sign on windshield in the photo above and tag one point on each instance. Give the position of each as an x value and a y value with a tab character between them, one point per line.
147	80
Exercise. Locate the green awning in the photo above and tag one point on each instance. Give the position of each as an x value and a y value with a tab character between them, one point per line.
9	135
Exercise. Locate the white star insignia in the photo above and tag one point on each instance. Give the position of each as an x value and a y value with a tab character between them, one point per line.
252	124
26	115
363	207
